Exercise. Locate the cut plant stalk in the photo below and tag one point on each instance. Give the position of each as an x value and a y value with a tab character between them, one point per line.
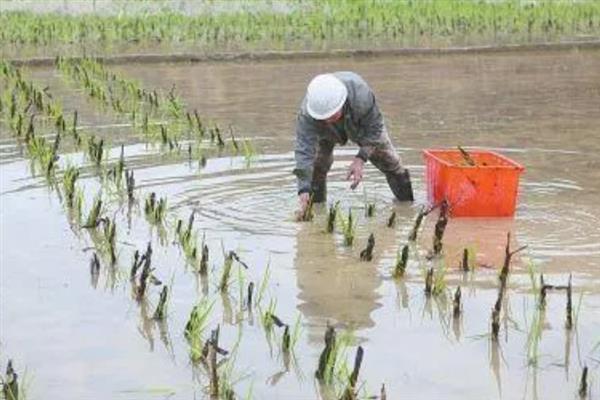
130	183
326	354
331	217
161	308
583	383
508	254
10	386
94	269
204	261
415	230
392	220
496	313
135	265
401	262
155	210
456	304
429	282
214	376
70	177
370	210
466	157
285	341
110	233
350	392
145	275
440	227
465	260
569	322
249	295
367	253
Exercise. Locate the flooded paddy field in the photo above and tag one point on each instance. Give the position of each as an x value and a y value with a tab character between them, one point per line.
77	330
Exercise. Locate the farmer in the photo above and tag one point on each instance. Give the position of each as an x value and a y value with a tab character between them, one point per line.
337	107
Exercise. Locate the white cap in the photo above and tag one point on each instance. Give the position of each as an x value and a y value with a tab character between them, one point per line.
325	96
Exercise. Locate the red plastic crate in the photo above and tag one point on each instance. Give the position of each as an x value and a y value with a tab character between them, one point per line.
488	189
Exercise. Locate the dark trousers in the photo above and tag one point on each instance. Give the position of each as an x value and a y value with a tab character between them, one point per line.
383	157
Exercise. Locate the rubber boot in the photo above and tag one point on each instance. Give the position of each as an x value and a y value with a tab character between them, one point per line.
319	191
401	185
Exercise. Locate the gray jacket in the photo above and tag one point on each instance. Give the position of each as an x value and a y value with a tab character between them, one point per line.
362	123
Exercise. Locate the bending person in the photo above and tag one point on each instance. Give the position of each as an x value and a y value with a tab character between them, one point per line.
338	107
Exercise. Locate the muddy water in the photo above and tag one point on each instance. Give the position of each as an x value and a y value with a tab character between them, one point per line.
78	338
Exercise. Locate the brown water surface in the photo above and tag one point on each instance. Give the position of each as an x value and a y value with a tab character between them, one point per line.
80	338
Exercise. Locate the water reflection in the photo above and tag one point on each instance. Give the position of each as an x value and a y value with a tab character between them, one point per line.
483	237
334	285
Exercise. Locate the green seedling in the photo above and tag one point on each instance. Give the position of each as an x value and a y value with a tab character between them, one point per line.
93	218
439	281
327	354
110	232
296	331
413	23
95	150
224	283
534	336
117	171
348	228
234	143
262	287
70	177
249	151
187	238
268	318
155	210
195	327
332	361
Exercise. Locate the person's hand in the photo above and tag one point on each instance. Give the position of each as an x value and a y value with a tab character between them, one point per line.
303	200
355	173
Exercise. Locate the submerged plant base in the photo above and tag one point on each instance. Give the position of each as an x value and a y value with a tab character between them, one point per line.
401	262
367	253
